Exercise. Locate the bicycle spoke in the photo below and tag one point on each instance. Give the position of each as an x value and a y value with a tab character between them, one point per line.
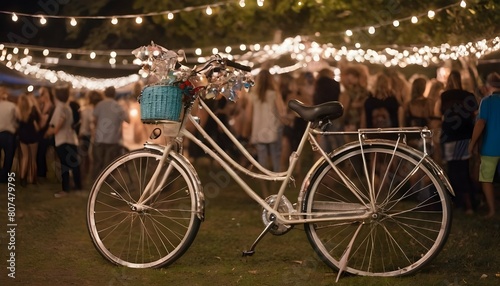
410	219
148	234
124	189
113	227
396	244
177	234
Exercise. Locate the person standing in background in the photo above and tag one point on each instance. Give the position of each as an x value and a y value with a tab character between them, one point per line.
382	108
8	128
301	89
47	106
328	89
416	111
289	91
87	129
399	86
28	116
487	129
435	121
457	108
266	108
353	98
109	116
66	141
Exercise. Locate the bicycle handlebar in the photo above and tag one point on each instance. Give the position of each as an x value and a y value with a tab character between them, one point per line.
224	62
236	65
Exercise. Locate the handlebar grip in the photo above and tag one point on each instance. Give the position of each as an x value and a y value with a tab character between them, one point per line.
236	65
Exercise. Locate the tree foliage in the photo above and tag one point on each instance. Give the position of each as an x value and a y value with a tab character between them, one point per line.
322	20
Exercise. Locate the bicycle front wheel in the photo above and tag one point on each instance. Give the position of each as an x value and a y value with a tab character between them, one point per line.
409	205
152	234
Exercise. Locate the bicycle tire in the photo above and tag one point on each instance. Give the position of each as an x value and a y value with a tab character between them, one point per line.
412	219
159	234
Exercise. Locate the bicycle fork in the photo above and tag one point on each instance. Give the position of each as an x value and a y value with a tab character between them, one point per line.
150	190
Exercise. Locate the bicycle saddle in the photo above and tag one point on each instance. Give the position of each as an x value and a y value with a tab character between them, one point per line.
326	111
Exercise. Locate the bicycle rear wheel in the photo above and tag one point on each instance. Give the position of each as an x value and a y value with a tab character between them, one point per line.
157	233
408	226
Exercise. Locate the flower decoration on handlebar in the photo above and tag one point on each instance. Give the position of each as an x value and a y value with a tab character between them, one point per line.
218	76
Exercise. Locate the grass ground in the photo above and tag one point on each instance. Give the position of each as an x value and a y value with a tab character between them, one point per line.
54	248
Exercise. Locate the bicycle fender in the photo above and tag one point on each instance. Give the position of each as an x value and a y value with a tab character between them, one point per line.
193	176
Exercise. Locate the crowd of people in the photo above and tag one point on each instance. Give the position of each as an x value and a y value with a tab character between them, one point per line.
84	135
389	100
87	137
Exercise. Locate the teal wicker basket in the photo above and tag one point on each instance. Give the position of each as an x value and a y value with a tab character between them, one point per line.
161	102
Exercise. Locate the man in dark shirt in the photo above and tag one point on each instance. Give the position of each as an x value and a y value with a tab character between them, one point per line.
328	89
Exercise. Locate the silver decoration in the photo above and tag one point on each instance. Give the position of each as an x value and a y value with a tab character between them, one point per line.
209	82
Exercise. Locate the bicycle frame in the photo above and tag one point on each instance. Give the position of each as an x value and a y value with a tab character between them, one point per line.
376	206
357	212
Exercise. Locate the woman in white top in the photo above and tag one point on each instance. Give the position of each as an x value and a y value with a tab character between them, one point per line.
66	141
266	110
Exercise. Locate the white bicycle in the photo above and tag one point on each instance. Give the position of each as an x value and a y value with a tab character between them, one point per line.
372	207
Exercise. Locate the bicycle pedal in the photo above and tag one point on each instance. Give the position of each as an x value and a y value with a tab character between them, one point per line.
248	253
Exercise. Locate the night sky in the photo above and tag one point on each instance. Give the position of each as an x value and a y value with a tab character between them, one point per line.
27	30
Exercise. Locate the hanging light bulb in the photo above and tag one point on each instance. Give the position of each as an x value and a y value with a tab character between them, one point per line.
198	51
113	54
260	3
463	4
138	20
242	3
414	19
73	22
45	52
14	17
114	21
371	30
170	16
43	21
431	14
68	56
208	11
395	23
92	55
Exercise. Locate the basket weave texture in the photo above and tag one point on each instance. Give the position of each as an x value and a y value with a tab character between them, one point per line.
161	102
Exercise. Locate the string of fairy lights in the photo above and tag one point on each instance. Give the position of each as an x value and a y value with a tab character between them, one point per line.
138	18
301	49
